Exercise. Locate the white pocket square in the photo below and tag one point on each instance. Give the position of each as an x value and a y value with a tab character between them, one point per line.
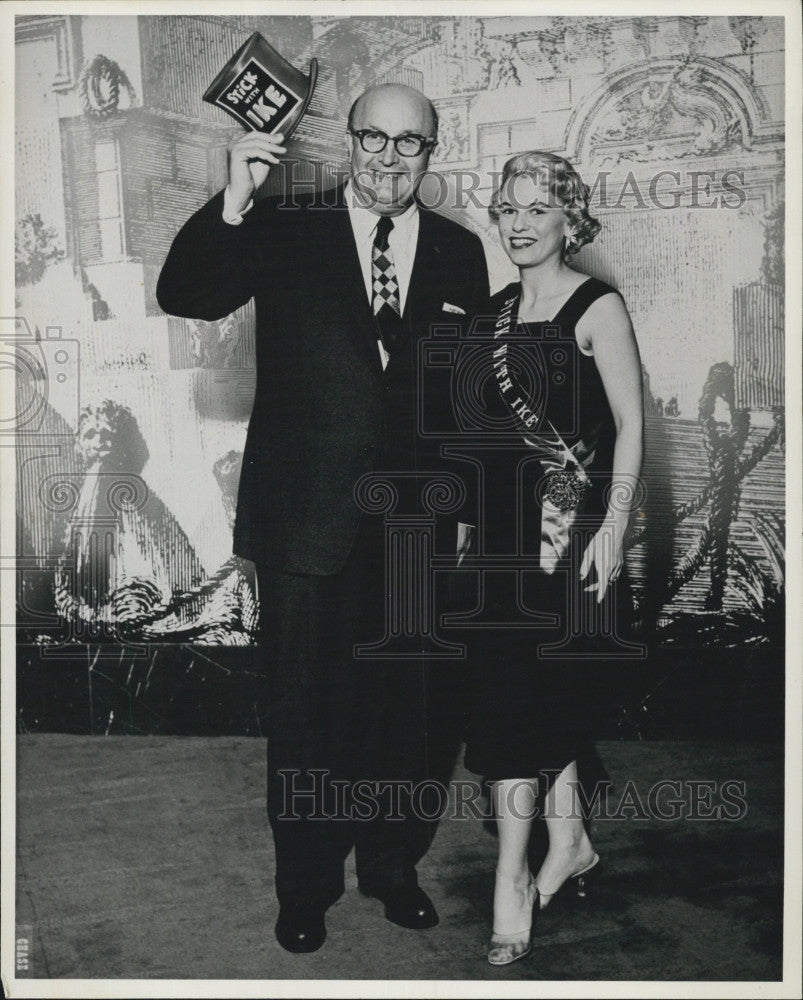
449	308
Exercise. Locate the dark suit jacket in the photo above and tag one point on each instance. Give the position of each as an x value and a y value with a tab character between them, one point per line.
320	405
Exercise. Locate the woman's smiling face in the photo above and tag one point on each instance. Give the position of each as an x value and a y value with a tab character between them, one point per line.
532	223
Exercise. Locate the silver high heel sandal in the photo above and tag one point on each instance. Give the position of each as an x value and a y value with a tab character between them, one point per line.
507	948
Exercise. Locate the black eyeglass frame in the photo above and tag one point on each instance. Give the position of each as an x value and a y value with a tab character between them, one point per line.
424	141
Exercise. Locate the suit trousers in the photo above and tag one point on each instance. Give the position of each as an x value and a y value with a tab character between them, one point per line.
357	748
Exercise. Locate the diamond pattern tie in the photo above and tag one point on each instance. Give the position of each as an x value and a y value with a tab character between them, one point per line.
383	270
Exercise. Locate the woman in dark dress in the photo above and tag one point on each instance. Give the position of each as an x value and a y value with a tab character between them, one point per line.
563	389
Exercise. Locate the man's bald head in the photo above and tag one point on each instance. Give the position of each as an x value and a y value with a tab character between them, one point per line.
399	95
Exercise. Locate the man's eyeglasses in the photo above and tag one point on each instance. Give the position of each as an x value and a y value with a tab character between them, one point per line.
374	141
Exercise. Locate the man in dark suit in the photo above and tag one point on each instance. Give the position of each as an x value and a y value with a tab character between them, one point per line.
345	286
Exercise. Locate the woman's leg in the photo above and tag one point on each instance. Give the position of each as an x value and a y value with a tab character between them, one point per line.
514	804
570	849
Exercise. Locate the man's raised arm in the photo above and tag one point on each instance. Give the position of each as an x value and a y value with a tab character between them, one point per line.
208	272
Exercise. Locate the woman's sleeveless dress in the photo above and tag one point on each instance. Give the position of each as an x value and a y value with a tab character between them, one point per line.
536	688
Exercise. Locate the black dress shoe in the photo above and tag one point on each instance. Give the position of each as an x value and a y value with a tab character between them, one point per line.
407	905
300	930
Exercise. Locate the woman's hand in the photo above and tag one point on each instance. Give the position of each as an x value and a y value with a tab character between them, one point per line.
605	552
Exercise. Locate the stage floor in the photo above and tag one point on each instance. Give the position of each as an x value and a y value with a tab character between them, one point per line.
142	857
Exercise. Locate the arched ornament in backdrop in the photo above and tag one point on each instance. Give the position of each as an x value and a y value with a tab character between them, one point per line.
668	109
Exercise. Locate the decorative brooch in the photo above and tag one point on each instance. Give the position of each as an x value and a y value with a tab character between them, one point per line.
565	489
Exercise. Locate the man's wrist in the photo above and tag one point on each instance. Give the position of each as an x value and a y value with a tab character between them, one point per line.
233	211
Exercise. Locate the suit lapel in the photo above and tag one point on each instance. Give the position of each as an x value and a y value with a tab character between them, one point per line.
424	287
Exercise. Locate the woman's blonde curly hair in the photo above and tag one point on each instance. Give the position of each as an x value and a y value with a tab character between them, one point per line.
566	187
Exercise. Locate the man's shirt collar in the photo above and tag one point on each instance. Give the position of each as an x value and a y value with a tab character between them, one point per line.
364	221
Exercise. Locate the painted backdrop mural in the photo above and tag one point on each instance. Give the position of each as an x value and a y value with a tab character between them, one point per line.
131	423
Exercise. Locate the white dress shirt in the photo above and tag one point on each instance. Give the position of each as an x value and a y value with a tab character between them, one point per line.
403	239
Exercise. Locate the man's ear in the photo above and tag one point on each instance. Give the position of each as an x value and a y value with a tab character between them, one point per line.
350	144
430	150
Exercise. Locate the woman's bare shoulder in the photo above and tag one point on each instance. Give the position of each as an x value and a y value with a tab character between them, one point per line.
606	316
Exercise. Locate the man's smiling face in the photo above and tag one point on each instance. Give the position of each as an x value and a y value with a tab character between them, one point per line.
387	181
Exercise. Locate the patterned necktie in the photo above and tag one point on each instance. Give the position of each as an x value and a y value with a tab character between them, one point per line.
383	271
